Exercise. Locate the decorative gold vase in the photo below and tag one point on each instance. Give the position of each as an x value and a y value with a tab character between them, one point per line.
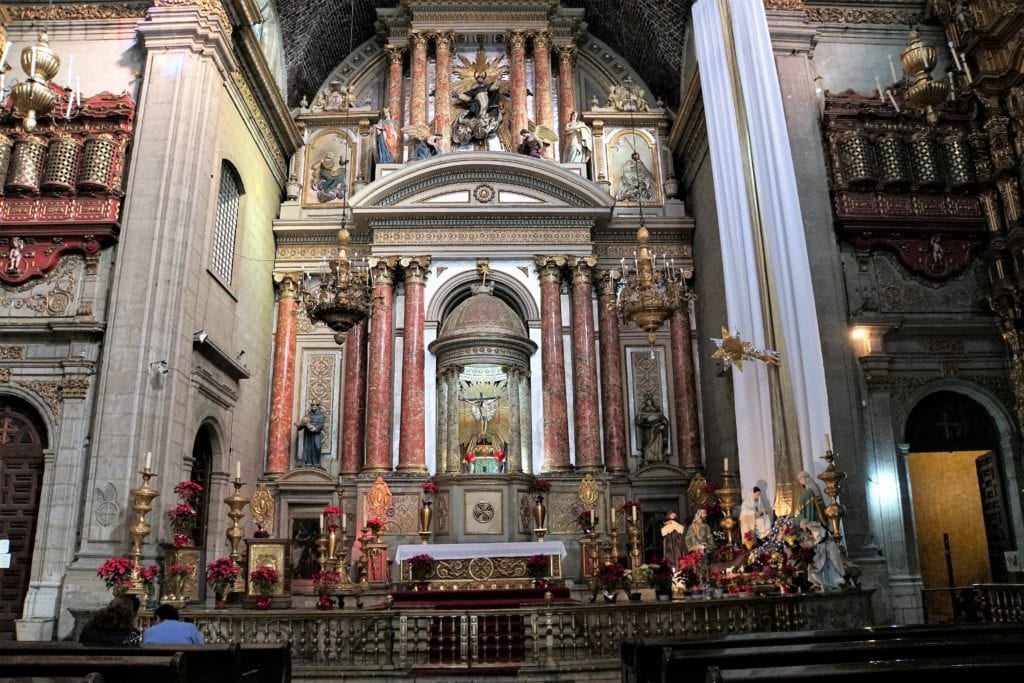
539	512
426	513
332	543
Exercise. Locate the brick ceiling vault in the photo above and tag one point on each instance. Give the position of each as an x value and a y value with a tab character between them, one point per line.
647	33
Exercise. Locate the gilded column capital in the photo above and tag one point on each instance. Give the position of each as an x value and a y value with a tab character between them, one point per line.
395	53
541	41
567	54
415	269
516	39
607	282
582	269
445	40
418	40
288	284
549	268
382	271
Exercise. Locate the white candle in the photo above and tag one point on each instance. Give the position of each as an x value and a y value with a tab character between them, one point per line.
32	71
725	464
892	69
238	469
3	58
881	93
613	516
71	98
892	100
967	68
344	521
634	514
149	459
956	57
828	442
321	522
591	518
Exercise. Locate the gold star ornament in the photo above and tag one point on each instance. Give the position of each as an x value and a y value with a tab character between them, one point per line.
733	351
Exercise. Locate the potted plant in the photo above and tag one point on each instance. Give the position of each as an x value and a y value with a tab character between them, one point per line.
375	525
537	568
325	581
182	518
429	490
119	573
421	567
263	581
609	578
175	577
220	576
662	574
331	515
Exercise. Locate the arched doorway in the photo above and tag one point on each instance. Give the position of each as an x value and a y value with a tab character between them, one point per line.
202	466
22	440
958	497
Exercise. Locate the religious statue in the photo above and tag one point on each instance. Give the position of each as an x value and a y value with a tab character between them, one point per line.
531	145
698	535
756	515
479	93
636	182
811	506
328	178
627	96
653	429
386	134
337	97
311	429
581	140
15	257
825	571
427	144
672	535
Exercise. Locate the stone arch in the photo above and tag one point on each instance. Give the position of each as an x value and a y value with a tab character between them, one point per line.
507	288
48	419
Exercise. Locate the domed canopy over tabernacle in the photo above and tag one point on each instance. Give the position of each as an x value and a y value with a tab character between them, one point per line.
483	329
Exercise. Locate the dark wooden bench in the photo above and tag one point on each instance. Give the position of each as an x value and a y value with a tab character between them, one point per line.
877	671
88	678
152	668
643	659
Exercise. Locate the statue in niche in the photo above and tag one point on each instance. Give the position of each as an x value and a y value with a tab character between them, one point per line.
485	423
387	137
581	140
636	182
652	426
478	112
328	178
627	96
311	428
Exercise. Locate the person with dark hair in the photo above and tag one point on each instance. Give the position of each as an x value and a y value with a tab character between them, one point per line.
168	630
113	624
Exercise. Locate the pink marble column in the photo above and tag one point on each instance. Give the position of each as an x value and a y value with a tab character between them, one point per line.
542	80
282	385
684	390
443	44
584	365
615	455
412	436
353	437
418	88
395	56
556	419
566	88
517	57
380	394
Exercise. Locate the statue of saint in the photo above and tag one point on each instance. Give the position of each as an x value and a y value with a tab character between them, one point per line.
387	136
581	140
653	430
672	546
810	506
756	515
698	534
327	178
636	182
311	429
479	93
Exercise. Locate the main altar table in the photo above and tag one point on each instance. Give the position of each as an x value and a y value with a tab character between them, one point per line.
481	566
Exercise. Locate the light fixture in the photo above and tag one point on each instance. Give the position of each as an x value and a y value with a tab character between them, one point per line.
33	96
342	298
201	336
158	367
924	92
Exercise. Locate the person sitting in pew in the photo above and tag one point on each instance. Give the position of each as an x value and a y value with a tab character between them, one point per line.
168	630
113	624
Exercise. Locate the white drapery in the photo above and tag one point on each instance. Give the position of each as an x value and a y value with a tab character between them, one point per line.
779	208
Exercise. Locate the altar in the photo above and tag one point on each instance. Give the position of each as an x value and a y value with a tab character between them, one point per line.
481	566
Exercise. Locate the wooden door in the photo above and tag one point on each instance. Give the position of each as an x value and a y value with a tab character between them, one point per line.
21	474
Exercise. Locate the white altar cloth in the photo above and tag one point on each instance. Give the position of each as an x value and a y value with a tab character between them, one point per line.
465	551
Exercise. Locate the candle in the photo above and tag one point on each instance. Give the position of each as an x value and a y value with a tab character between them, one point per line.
967	69
344	521
592	518
725	464
881	93
149	459
892	70
956	57
952	87
634	513
238	469
321	522
893	100
613	516
828	442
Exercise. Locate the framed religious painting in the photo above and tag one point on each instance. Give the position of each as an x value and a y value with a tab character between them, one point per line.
633	180
329	169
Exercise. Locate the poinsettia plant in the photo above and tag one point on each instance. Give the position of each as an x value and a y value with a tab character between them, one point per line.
421	566
221	574
538	486
331	515
325	580
188	490
610	576
429	487
375	524
117	572
538	566
263	580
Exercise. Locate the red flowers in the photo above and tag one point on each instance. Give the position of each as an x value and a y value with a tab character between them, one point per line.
263	580
179	570
326	579
117	572
421	566
537	566
221	573
538	486
182	518
331	514
429	487
188	491
375	524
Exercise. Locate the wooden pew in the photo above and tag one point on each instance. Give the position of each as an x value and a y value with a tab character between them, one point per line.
88	678
154	668
877	671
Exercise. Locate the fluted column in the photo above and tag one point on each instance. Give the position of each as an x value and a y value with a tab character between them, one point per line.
353	437
282	387
517	57
684	389
556	420
614	410
513	458
566	88
395	57
451	377
412	437
418	86
525	423
378	387
584	365
441	424
542	81
443	44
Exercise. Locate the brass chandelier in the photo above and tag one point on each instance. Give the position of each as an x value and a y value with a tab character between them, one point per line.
33	96
924	92
342	299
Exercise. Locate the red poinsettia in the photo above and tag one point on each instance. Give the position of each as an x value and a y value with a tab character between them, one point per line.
429	487
221	573
375	524
263	580
188	491
538	486
117	572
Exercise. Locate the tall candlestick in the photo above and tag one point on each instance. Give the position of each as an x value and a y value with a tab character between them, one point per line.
238	469
892	70
828	442
149	459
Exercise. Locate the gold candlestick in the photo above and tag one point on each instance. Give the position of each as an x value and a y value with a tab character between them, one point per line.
835	510
236	502
613	535
321	542
729	496
634	546
142	503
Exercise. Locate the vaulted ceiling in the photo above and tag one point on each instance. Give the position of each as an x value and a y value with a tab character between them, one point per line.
319	34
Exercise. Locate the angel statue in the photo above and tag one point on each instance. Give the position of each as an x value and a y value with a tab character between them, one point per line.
478	110
427	144
535	141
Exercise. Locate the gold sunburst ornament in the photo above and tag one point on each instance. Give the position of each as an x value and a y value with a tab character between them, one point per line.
733	351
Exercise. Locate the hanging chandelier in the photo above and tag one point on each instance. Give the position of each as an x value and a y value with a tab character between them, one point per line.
342	299
653	291
924	92
33	97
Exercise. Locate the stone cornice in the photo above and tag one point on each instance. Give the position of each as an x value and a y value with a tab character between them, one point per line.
76	12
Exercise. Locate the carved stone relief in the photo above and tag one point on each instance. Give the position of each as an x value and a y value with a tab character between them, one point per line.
899	292
53	295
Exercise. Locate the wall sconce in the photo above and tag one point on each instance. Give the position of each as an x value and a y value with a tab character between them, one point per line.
159	367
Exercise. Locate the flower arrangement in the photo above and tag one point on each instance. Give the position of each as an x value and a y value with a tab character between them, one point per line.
375	524
188	491
499	455
429	487
749	540
331	514
585	521
179	571
610	576
662	573
221	574
263	580
538	566
260	532
421	567
325	580
117	573
538	486
692	568
147	575
470	457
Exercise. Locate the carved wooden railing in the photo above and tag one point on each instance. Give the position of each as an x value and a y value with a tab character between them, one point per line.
977	603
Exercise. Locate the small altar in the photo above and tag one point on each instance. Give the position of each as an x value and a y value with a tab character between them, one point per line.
481	566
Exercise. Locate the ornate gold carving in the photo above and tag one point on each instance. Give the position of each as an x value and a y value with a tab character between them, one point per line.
697	492
567	54
73	12
848	15
55	392
262	506
257	116
51	296
213	7
486	236
307	252
378	499
516	40
320	387
784	4
12	352
395	53
589	493
415	268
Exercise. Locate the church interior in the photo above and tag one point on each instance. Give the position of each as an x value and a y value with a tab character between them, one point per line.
387	306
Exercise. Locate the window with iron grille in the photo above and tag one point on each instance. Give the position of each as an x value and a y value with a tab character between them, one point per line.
222	254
